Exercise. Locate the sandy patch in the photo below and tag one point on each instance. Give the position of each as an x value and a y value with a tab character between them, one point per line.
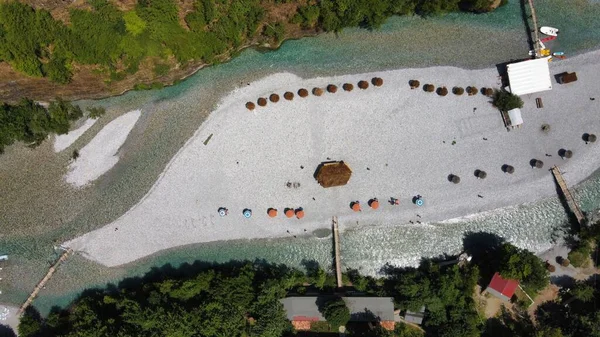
62	142
399	142
101	153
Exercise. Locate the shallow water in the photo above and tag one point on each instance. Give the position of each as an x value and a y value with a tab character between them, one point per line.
171	115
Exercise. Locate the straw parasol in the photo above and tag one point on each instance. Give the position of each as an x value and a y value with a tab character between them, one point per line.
348	86
289	212
300	213
480	174
272	212
568	154
274	98
429	88
377	81
332	88
442	91
250	105
591	138
331	174
317	91
262	101
303	93
458	91
288	95
508	169
355	205
489	92
363	84
471	90
539	164
454	178
414	84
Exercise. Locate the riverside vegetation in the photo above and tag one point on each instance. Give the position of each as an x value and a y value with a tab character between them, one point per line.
242	299
116	41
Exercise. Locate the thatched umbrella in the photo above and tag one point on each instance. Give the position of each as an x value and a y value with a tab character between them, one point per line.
539	164
374	203
414	84
272	212
303	93
568	154
508	169
377	81
489	92
250	105
480	174
442	91
317	91
332	88
591	138
262	101
471	90
300	213
348	86
288	95
289	212
363	84
429	87
274	98
458	91
454	178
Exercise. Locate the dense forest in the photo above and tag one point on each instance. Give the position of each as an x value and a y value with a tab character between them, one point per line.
243	299
117	41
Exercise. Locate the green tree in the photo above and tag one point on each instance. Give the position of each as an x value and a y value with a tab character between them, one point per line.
30	324
335	312
506	101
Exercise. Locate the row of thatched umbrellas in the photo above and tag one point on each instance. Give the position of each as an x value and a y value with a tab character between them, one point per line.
289	212
303	93
443	91
534	163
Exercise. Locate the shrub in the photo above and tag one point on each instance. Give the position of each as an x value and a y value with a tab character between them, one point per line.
336	312
579	256
505	101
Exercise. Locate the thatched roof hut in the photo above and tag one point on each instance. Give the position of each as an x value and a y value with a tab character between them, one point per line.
348	86
414	84
377	81
458	91
303	93
250	105
274	98
332	88
442	91
288	95
363	84
262	101
317	91
330	174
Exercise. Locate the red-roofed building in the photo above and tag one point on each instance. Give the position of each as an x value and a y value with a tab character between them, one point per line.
501	288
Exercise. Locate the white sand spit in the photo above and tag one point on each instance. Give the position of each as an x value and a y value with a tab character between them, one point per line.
100	154
399	142
62	142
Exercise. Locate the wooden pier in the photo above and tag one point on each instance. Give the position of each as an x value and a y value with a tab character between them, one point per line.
46	278
536	41
574	208
336	244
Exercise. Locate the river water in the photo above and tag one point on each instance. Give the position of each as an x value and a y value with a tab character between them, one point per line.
172	114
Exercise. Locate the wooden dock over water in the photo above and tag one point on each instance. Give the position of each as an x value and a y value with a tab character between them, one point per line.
336	244
536	41
573	207
46	278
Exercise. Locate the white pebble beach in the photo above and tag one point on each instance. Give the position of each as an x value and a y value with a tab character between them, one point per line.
397	141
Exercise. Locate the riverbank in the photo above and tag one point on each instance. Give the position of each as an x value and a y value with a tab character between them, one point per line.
399	142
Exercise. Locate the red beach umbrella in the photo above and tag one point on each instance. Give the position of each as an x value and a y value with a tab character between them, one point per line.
300	213
289	212
272	212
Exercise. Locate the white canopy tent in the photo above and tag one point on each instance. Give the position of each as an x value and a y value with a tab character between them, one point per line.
529	76
515	117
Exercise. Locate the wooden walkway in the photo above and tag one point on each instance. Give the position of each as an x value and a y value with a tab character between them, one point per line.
536	41
336	243
46	278
574	208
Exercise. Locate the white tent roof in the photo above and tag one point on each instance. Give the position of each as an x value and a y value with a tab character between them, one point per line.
529	76
515	117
